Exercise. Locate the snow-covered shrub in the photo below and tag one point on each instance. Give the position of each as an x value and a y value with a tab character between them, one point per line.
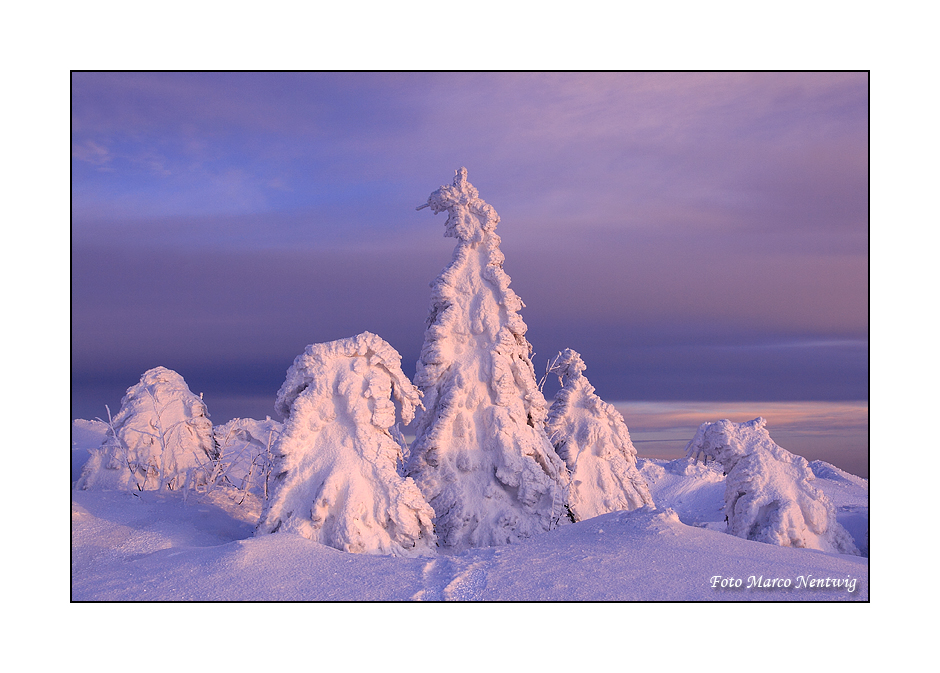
244	453
769	496
592	438
480	454
335	463
160	439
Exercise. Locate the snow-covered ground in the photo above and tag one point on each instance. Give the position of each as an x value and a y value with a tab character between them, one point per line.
154	546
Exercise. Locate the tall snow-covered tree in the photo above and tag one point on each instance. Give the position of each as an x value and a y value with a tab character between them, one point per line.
160	438
480	454
769	495
592	438
336	462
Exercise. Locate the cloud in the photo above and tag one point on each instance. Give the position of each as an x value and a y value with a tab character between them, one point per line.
92	153
805	417
555	146
692	234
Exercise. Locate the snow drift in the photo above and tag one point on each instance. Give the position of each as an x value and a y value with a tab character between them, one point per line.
769	496
592	438
335	463
160	439
480	454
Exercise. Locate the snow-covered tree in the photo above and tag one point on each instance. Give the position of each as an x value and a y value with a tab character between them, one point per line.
769	495
592	438
160	439
481	455
335	463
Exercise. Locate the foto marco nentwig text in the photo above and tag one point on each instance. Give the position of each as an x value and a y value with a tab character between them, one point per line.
798	582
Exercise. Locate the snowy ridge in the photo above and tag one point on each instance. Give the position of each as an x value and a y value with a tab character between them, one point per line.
335	463
160	439
768	494
592	438
480	454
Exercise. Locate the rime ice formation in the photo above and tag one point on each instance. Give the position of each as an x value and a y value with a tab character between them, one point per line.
335	463
162	438
245	452
769	496
480	454
593	440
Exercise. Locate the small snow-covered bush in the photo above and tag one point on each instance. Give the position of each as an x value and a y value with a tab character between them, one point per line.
592	438
245	453
335	463
160	439
769	495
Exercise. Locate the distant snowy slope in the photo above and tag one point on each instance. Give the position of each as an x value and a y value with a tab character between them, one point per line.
849	495
86	437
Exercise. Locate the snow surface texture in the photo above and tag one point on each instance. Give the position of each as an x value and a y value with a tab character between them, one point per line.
335	463
480	454
155	548
160	439
592	438
768	494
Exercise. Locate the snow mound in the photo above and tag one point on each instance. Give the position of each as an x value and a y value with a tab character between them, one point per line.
694	490
769	496
160	439
591	437
480	454
335	463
